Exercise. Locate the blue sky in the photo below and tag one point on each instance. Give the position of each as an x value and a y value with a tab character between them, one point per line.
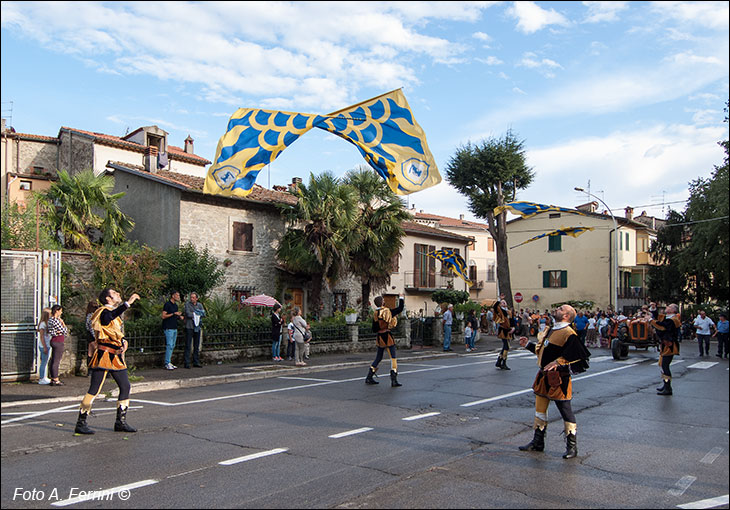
626	95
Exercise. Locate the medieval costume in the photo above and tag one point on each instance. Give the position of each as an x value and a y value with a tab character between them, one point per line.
560	348
385	319
667	328
505	319
107	359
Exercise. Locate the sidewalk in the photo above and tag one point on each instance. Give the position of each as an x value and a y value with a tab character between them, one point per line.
16	394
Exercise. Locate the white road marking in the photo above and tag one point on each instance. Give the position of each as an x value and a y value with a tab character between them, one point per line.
600	358
350	432
105	494
420	416
682	485
712	455
24	424
94	410
307	379
528	390
39	413
631	361
253	456
704	365
707	503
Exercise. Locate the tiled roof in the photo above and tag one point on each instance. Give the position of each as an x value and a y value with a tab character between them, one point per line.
450	222
417	228
115	141
29	136
192	183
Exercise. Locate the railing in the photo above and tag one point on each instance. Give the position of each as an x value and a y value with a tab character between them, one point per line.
428	281
632	293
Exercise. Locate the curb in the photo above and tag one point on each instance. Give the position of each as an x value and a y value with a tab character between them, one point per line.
210	380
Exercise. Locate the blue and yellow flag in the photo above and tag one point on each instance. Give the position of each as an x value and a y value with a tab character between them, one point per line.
569	231
530	209
453	261
383	129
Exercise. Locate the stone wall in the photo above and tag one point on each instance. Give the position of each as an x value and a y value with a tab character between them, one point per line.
76	152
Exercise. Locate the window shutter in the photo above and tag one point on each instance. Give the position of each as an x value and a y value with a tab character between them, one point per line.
431	268
563	279
555	243
546	279
242	236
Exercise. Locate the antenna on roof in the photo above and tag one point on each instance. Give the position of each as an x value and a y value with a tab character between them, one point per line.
127	131
664	194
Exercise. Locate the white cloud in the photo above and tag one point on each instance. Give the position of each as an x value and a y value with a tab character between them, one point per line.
268	50
711	15
599	12
490	61
532	18
629	166
481	36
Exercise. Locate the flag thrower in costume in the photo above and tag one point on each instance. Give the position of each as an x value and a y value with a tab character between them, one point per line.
530	209
382	128
453	261
570	231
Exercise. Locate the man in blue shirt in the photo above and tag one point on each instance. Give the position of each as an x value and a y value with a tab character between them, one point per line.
581	326
448	321
722	335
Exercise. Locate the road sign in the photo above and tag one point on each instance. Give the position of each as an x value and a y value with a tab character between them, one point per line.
518	297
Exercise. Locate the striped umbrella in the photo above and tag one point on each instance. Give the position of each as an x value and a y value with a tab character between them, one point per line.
260	300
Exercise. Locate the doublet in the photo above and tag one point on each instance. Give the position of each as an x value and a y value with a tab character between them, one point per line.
109	338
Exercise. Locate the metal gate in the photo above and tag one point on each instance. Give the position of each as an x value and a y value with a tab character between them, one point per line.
30	281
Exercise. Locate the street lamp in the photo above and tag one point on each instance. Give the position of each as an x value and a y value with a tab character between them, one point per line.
614	266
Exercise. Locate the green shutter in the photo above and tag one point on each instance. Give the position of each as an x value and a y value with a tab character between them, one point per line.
545	279
554	243
563	279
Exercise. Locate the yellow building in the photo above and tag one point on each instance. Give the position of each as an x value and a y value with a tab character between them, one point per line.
556	269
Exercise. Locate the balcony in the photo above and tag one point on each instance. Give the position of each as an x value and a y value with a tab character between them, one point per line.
431	281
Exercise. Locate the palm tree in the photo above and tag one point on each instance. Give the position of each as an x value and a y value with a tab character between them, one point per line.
74	204
379	231
320	232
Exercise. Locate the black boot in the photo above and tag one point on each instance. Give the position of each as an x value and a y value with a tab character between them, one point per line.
667	390
499	362
571	446
81	427
538	442
394	379
504	365
369	379
664	385
121	424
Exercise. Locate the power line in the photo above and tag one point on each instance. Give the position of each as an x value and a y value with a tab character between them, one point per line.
698	221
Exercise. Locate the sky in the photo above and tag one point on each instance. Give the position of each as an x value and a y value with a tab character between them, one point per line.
625	99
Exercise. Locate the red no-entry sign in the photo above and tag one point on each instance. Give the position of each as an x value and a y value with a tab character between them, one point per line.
518	297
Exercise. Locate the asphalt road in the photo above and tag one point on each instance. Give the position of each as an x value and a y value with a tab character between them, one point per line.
446	439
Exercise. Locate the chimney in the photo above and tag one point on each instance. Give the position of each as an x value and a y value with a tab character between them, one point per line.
189	145
629	212
461	217
150	159
295	182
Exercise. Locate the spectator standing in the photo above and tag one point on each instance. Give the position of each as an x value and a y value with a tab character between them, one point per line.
194	312
722	335
704	325
603	328
591	331
291	345
170	315
581	325
44	346
490	323
473	323
506	320
300	328
276	322
447	321
57	330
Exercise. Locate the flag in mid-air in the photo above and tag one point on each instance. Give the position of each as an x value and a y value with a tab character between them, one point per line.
569	231
530	209
453	261
383	129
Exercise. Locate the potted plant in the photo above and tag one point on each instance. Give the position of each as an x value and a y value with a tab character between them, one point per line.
350	315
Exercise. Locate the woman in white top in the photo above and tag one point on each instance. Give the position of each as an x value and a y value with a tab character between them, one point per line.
44	346
592	333
300	327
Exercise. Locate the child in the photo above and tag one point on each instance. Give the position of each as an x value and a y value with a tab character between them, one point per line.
291	345
467	337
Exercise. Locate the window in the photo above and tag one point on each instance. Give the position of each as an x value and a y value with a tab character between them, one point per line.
555	243
490	272
239	294
424	266
242	236
554	279
395	263
445	270
554	216
340	301
627	242
473	273
490	244
26	185
620	241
